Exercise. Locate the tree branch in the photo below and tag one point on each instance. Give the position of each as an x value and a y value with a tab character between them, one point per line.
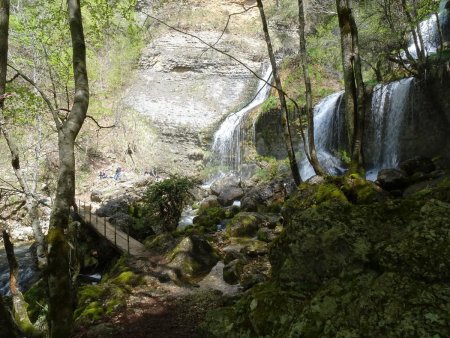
13	78
98	125
43	95
228	22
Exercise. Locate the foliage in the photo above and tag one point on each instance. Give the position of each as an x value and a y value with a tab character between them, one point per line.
270	103
164	201
270	168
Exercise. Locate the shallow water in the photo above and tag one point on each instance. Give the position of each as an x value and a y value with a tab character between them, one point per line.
27	270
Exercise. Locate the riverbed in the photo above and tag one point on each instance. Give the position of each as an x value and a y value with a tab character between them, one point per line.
27	270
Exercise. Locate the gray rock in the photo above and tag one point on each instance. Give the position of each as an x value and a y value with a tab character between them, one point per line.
229	195
210	202
193	257
392	179
417	164
263	196
96	196
226	182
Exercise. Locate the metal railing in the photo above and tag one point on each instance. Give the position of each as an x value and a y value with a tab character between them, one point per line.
88	219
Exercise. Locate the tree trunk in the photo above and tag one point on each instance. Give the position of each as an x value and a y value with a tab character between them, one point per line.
59	279
31	203
354	86
19	304
284	109
308	90
4	28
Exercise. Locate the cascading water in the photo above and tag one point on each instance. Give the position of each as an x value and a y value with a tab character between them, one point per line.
328	135
430	36
389	105
227	147
27	270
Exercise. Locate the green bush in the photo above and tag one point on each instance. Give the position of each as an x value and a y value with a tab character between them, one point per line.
164	201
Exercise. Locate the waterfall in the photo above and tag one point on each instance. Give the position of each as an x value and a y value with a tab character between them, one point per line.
390	102
328	135
430	36
227	147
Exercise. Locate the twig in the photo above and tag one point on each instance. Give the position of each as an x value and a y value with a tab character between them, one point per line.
226	25
98	125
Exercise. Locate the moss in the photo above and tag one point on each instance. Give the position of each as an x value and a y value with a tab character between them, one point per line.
329	192
346	270
192	258
160	243
127	278
36	297
210	217
97	301
245	224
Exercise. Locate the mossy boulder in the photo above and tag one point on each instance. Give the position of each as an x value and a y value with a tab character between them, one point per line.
98	301
161	243
265	197
209	218
265	311
373	305
192	258
246	224
342	269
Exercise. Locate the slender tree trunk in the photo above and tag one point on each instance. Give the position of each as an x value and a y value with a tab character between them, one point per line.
284	110
354	85
308	90
19	304
31	203
59	279
4	29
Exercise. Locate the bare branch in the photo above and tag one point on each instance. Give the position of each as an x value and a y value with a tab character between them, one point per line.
98	125
13	78
228	22
43	95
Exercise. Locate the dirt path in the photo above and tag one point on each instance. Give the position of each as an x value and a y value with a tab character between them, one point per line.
162	309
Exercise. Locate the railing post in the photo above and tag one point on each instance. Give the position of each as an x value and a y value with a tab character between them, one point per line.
104	226
115	234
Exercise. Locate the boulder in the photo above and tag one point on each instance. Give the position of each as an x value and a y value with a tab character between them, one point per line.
417	164
226	182
209	202
96	196
229	194
246	224
265	196
392	179
193	258
232	271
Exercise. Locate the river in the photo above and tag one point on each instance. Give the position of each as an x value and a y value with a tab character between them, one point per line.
27	270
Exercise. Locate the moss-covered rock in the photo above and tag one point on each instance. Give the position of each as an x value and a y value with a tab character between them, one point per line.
209	218
161	243
341	269
246	224
104	299
265	311
192	258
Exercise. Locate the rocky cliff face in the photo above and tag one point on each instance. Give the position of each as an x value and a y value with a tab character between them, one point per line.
184	87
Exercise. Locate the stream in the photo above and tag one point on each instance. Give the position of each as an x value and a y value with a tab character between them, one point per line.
27	270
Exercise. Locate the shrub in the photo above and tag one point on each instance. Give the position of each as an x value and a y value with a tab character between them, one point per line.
164	201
